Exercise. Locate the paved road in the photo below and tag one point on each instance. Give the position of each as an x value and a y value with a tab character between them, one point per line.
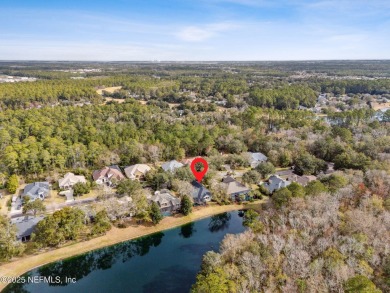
55	207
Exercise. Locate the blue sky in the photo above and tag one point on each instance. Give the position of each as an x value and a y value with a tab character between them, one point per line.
196	30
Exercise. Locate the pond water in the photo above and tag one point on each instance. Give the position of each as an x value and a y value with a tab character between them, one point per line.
167	261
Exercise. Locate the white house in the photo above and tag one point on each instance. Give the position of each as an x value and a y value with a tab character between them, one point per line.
137	171
69	180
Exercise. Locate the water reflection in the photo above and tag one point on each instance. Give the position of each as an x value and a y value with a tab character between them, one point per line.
219	222
80	266
170	280
172	267
187	230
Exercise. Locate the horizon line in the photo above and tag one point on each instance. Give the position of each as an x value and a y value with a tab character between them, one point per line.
193	61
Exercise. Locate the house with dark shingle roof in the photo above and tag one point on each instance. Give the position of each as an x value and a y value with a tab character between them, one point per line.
25	226
235	188
36	190
200	194
108	175
166	201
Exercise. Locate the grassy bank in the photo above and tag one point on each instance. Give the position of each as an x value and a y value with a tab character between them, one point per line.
21	265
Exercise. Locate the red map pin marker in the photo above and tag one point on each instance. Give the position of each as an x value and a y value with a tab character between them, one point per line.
199	174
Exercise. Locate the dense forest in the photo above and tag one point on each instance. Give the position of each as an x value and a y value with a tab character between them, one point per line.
331	235
335	241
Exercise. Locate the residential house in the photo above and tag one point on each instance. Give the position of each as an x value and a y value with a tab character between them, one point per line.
69	180
200	194
255	159
36	190
275	182
285	173
108	175
302	180
166	201
171	166
25	226
235	188
137	171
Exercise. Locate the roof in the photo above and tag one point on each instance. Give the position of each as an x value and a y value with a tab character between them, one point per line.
256	157
199	192
171	165
108	172
71	179
165	197
25	225
228	179
34	190
234	187
303	180
275	182
131	170
288	172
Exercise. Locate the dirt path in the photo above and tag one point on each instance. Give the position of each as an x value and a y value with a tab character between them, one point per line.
115	235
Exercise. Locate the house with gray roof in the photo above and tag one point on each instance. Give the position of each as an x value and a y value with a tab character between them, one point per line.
255	159
302	180
275	182
171	166
200	194
25	226
36	190
166	201
235	188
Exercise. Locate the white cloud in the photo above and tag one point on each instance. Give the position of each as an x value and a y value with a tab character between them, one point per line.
205	32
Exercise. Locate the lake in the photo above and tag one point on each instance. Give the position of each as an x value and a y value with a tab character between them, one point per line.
167	261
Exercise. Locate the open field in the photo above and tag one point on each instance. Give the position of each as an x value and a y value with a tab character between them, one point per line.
120	101
108	89
377	106
115	235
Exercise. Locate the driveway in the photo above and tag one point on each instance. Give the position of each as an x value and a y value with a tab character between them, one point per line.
68	194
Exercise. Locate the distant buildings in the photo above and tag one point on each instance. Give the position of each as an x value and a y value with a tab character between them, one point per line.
9	78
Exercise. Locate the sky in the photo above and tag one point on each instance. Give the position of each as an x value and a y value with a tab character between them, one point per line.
194	30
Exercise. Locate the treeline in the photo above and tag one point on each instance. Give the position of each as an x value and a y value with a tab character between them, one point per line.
43	92
351	86
40	141
286	97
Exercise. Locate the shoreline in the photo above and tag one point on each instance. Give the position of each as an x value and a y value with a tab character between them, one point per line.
24	264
